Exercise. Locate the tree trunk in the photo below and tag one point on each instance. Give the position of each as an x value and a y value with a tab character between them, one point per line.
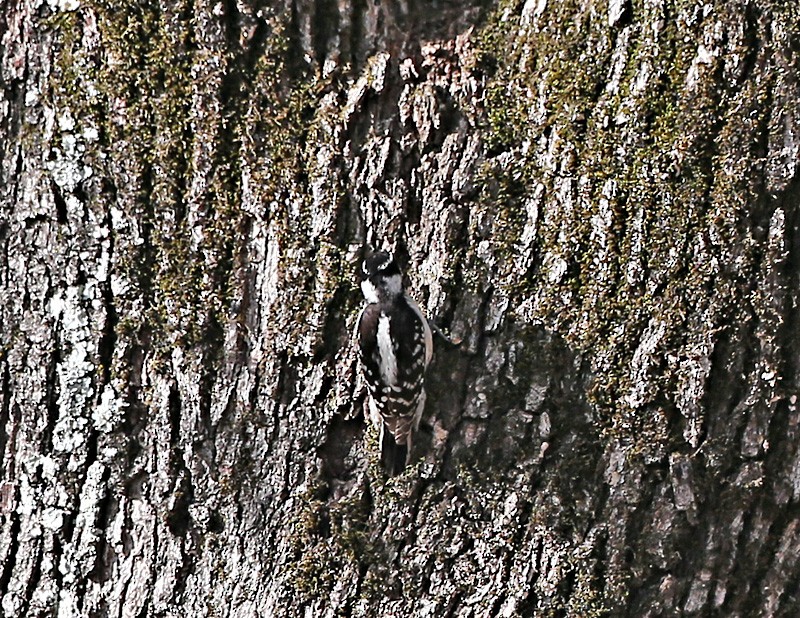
598	201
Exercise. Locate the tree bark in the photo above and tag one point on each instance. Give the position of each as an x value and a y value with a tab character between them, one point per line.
597	201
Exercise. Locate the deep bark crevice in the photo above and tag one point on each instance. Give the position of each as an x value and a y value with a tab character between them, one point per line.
10	560
597	201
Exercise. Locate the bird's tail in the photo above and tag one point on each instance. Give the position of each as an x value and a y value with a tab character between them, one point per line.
394	455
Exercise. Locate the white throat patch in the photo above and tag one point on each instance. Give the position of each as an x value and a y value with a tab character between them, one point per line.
386	356
394	285
370	291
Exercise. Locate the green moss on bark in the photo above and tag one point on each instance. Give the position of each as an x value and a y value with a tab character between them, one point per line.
626	148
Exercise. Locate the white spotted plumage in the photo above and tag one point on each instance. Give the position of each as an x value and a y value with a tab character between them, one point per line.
396	347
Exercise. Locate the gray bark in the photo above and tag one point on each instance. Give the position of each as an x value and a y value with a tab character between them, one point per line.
598	201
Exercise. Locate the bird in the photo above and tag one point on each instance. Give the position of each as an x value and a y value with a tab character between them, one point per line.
396	347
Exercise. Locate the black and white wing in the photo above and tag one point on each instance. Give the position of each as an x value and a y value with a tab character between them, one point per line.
396	347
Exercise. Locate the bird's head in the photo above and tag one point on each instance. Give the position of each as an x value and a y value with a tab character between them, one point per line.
381	280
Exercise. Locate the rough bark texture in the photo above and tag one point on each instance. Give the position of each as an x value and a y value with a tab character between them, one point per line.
598	200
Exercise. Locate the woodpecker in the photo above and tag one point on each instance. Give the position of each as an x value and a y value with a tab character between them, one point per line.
396	346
